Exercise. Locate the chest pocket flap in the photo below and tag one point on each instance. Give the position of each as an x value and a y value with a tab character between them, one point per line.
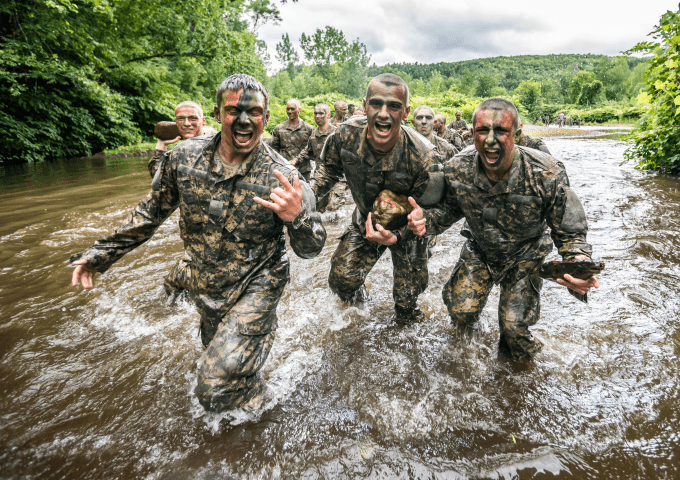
253	190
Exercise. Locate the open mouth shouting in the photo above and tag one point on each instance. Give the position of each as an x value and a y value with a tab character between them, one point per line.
242	137
382	128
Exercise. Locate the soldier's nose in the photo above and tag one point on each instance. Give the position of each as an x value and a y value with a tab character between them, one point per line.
243	118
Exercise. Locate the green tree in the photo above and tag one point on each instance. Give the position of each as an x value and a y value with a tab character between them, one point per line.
657	135
589	93
614	73
576	84
80	76
486	83
287	55
529	93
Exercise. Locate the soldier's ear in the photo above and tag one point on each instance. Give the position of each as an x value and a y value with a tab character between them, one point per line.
266	118
216	113
518	132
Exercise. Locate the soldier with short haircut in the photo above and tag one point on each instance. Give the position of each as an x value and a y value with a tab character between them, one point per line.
350	110
546	120
340	115
440	129
571	121
291	136
458	125
513	199
311	152
423	123
236	238
376	153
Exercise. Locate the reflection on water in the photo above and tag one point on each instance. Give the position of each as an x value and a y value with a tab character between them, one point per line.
100	383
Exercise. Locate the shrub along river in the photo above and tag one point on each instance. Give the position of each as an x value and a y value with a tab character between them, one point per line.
99	384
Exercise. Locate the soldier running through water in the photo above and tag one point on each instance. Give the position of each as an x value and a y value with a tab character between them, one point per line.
376	153
509	196
236	239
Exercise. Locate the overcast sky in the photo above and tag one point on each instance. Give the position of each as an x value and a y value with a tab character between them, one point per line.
454	30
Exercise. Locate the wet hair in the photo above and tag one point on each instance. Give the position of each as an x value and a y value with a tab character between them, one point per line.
242	81
323	106
391	80
415	112
499	104
189	103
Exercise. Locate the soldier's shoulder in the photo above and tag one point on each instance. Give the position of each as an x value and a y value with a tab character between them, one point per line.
462	161
540	161
277	160
191	145
353	122
418	144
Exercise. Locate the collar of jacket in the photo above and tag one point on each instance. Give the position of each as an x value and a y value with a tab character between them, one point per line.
288	126
507	185
216	167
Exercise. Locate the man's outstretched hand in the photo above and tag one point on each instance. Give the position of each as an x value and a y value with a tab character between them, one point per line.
82	274
163	144
287	201
416	219
578	285
379	234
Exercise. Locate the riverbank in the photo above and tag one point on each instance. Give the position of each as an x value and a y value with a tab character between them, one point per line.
584	131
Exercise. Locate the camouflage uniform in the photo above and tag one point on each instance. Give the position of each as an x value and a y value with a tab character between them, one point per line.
288	140
561	119
546	120
457	125
303	162
507	230
533	142
239	255
443	148
452	137
404	171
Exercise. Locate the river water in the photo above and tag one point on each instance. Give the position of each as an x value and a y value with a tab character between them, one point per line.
99	384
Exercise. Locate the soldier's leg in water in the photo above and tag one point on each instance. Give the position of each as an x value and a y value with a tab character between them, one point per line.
467	291
519	308
352	261
409	260
179	277
228	371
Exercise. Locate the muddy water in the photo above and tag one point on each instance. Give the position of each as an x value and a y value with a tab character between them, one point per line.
99	384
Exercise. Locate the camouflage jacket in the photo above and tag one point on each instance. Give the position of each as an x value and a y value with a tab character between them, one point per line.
509	220
230	238
457	125
533	142
452	137
312	151
404	170
206	131
289	141
443	148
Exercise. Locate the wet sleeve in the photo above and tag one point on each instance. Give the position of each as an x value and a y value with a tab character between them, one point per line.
442	216
140	224
329	171
306	232
567	220
154	161
305	156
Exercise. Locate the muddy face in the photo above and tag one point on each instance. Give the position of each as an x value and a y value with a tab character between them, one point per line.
321	117
385	108
340	109
494	132
293	111
243	119
423	122
188	121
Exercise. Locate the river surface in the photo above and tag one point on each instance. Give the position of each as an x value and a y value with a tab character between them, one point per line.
99	384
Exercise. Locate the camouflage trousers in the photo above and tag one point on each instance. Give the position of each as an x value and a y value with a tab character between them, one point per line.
466	293
237	345
334	198
179	277
355	257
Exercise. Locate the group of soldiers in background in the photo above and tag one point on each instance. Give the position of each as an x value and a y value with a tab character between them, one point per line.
560	120
516	202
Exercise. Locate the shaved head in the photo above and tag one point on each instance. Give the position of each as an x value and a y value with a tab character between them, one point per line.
427	107
498	104
295	102
189	104
390	80
323	107
440	117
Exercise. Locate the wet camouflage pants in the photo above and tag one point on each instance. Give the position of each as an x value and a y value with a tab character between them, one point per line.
467	291
238	344
355	256
179	277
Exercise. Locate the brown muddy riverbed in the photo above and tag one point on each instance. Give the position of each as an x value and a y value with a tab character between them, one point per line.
100	384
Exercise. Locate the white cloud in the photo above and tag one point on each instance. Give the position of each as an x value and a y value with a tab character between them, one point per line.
429	32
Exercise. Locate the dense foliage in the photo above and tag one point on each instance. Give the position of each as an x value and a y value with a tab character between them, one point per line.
657	135
79	76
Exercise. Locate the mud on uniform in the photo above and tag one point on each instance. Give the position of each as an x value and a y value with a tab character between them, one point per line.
443	148
533	142
312	151
451	136
456	125
404	171
238	252
288	140
507	230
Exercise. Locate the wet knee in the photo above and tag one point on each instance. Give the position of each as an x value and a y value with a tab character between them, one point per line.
465	320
